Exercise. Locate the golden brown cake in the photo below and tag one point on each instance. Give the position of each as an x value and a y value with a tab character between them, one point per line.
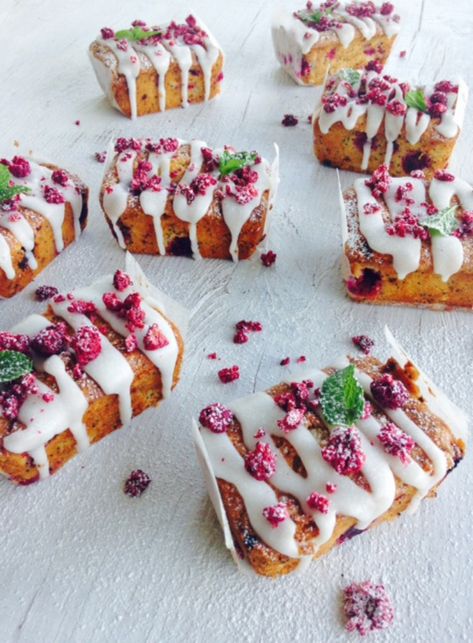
308	465
173	197
409	241
98	357
147	69
317	40
43	209
366	119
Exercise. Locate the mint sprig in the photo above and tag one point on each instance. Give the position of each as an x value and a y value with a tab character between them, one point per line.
342	398
7	189
14	365
351	76
232	162
416	99
442	224
135	33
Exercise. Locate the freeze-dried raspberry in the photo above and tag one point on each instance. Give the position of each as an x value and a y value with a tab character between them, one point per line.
375	65
466	226
396	442
437	109
81	307
121	281
361	9
112	302
13	342
136	483
13	397
367	411
367	607
261	462
379	181
285	361
330	487
240	337
51	340
402	54
333	102
123	144
19	167
107	33
386	9
343	451
60	177
407	223
446	86
389	393
276	514
227	375
442	175
216	417
212	356
318	502
396	108
10	406
289	120
52	195
100	157
198	187
249	326
268	258
43	293
131	343
364	343
87	344
155	338
292	420
135	318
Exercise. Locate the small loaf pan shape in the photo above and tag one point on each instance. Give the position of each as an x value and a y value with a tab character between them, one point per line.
307	465
175	197
96	358
324	38
147	69
366	119
43	209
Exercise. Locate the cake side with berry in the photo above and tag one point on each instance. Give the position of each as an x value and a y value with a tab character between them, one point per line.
366	119
306	466
43	209
98	357
409	241
325	38
146	69
173	197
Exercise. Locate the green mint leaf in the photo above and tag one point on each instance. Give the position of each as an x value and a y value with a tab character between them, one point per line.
351	76
342	398
7	189
416	99
232	162
14	365
444	223
315	17
135	33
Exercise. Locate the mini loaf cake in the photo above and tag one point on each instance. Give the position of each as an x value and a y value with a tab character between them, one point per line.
366	119
178	197
409	241
319	39
43	209
311	463
146	69
98	357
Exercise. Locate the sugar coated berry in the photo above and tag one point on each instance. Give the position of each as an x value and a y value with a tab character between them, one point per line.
81	307
121	281
261	462
318	502
227	375
330	487
43	293
112	302
249	326
289	120
386	9
131	343
14	342
396	108
155	338
436	110
100	157
442	175
363	342
107	33
291	420
285	361
396	442
19	167
60	177
268	258
216	417
388	392
361	9
446	86
136	483
51	340
343	451
379	181
52	195
276	514
367	607
240	337
87	344
375	65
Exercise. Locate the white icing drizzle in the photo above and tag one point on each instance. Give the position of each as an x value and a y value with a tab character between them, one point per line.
153	203
54	213
160	54
447	251
292	39
415	122
349	499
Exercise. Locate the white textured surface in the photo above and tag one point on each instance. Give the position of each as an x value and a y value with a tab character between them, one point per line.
82	562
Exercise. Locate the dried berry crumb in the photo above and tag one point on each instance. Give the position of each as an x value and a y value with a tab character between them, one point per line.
402	54
268	258
367	607
86	344
240	337
121	280
330	487
261	462
289	120
364	343
301	359
396	442
318	502
43	293
343	451
388	392
292	420
216	417
136	483
227	375
155	338
100	156
212	356
276	514
77	123
285	361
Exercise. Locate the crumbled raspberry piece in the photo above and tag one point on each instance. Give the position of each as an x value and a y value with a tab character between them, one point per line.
227	375
216	417
402	54
260	433
439	97
135	317
396	108
13	397
406	224
155	338
292	420
364	343
240	337
52	195
276	514
285	361
124	144
10	406
81	307
330	487
87	344
343	451
198	187
268	258
333	102
396	442
389	393
305	71
107	33
289	120
212	356
466	226
386	9
367	411
12	342
249	326
318	502
138	23
121	281
375	65
136	483
100	156
361	9
51	340
112	302
261	463
367	607
437	109
48	398
379	181
43	293
301	359
371	208
19	167
131	343
442	175
60	177
446	86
